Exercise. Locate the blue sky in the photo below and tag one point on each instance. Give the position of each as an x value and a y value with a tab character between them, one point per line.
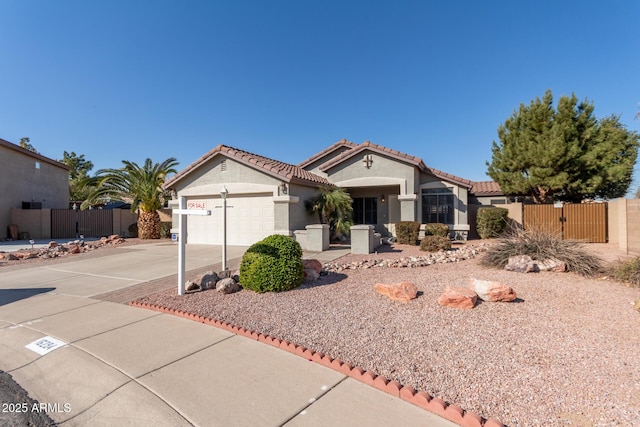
117	80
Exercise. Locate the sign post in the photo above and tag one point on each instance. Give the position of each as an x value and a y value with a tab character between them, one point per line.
182	212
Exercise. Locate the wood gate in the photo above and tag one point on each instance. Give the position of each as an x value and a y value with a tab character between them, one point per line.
69	223
576	221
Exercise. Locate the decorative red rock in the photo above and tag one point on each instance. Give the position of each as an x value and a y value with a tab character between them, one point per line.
312	264
403	291
488	290
458	298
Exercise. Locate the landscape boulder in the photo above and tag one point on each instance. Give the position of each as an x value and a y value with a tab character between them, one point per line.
312	264
74	248
227	286
552	264
402	291
310	274
458	298
207	280
521	264
488	290
191	286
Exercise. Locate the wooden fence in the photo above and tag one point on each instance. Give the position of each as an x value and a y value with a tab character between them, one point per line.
61	223
75	223
576	221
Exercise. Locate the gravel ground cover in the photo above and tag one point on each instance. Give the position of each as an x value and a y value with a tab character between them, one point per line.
6	265
564	353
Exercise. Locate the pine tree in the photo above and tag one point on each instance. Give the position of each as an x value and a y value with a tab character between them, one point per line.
563	153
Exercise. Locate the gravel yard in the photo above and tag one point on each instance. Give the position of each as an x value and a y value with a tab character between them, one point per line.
565	352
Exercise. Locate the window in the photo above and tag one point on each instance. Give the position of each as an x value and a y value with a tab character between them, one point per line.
437	205
365	210
37	165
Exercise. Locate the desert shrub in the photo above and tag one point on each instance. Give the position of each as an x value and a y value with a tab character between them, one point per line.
541	246
629	271
273	264
165	229
133	230
407	232
491	222
435	243
436	229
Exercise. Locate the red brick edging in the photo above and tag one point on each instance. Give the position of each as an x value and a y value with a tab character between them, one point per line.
421	399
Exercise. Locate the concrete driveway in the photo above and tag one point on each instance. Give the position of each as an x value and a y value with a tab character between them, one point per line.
130	266
93	362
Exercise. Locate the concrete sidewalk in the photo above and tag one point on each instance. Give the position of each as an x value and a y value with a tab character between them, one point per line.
121	365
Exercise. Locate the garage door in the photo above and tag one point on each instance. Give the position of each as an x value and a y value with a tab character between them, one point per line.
249	219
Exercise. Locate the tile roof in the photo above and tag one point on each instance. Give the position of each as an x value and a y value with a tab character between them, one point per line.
486	188
328	150
416	161
284	171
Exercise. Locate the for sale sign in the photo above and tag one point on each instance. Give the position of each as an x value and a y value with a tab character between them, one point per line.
196	204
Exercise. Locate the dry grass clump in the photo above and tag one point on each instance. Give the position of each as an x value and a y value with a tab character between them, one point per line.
541	246
629	271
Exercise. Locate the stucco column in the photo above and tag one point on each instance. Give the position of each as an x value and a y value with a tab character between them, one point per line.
408	211
317	237
282	214
362	239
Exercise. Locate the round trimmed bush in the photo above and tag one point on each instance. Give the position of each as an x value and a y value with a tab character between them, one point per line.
436	229
273	264
435	243
491	222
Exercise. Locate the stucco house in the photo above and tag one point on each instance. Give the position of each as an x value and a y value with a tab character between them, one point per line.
29	181
266	196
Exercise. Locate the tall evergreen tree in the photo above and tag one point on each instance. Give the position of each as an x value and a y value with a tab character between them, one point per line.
25	143
563	153
80	184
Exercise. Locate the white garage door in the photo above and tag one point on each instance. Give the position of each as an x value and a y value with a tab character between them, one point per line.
249	219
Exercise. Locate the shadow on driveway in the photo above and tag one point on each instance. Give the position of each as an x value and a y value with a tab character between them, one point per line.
7	296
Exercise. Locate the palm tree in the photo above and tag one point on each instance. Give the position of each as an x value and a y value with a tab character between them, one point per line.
140	186
333	206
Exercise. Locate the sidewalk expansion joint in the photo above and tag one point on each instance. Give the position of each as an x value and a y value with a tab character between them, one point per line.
311	402
104	276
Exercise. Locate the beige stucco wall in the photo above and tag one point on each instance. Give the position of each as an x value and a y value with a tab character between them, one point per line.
20	181
353	173
315	166
298	216
209	179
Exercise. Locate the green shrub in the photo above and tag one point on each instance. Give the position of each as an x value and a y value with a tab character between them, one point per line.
407	232
165	229
436	229
629	271
541	246
491	222
273	264
133	230
435	243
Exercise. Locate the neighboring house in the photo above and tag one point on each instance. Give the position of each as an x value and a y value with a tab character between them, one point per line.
267	196
29	181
